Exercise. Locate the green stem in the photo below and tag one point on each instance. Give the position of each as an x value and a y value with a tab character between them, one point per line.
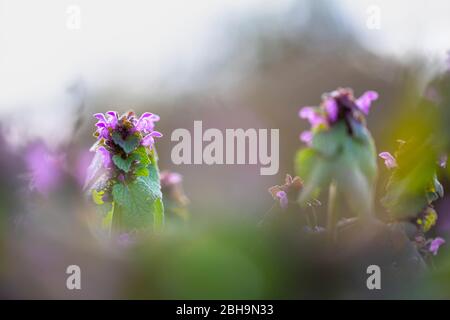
331	214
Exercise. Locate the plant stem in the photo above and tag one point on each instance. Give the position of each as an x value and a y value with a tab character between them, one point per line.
331	214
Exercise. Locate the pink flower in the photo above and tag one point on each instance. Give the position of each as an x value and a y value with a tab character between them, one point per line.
45	168
306	137
332	109
365	101
435	244
106	157
282	197
389	160
314	118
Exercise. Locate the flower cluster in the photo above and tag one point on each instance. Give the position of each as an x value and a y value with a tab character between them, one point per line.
115	133
290	188
337	105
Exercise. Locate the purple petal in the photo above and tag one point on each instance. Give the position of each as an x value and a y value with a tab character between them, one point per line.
156	134
306	137
106	157
364	102
282	197
113	118
148	141
332	109
312	116
435	244
389	160
101	117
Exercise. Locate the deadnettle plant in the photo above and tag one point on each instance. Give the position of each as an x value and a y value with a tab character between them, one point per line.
340	152
411	191
123	178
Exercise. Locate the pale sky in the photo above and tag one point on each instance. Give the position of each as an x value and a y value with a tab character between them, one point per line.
135	42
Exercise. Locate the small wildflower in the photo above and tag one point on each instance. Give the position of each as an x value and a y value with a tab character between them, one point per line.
172	188
435	244
365	101
306	137
336	105
290	187
389	160
282	198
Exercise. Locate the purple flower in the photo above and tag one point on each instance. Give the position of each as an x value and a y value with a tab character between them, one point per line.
106	157
117	135
146	122
364	102
282	197
331	108
337	106
389	160
149	140
170	178
435	244
45	169
314	118
306	137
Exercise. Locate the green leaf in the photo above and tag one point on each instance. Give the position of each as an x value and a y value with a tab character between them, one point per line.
142	171
128	144
143	156
139	202
123	164
348	159
158	214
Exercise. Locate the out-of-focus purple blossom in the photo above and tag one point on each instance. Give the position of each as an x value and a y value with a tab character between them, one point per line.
106	157
389	160
81	166
314	118
283	199
168	178
331	108
306	137
365	101
45	168
338	105
435	244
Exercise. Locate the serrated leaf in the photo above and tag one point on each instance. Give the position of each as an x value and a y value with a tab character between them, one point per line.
128	144
138	201
143	156
123	164
142	171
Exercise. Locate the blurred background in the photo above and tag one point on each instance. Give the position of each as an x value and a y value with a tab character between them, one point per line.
232	64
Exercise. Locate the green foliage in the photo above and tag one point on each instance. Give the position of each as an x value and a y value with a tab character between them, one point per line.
347	159
413	183
128	144
123	164
138	204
